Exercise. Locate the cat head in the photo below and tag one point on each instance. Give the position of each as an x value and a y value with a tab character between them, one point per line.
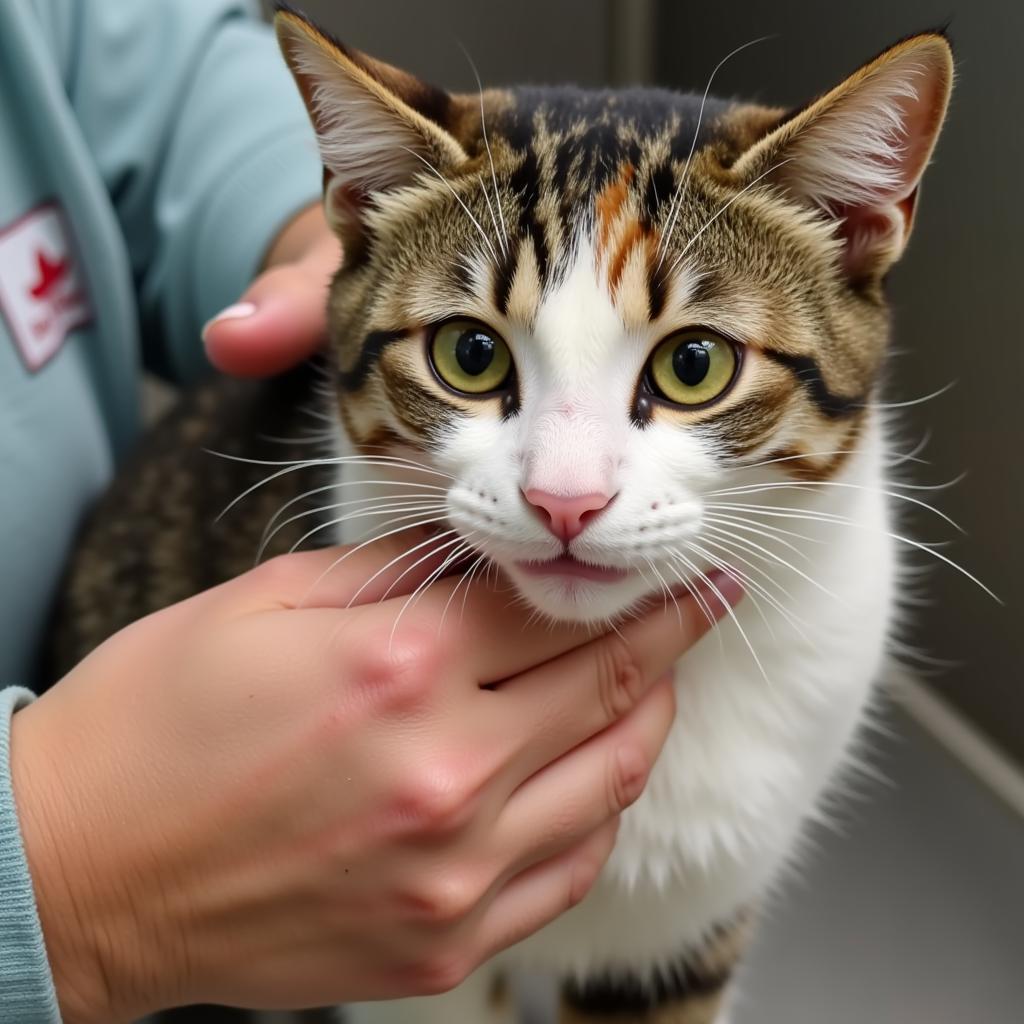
586	309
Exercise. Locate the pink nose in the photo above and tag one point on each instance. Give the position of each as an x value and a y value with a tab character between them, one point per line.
566	517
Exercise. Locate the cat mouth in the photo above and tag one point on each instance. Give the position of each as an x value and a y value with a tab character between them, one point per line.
567	566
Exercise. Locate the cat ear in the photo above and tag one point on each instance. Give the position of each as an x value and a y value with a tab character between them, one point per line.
857	154
377	127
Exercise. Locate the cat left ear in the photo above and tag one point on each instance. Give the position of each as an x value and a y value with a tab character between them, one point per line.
857	154
377	126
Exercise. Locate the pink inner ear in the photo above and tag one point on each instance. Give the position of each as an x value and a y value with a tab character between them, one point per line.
866	230
920	118
875	227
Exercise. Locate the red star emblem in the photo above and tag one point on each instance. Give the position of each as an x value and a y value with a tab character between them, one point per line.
50	275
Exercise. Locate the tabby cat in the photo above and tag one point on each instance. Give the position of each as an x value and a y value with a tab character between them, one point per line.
606	341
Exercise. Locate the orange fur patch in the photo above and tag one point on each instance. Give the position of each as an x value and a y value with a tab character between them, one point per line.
619	231
609	205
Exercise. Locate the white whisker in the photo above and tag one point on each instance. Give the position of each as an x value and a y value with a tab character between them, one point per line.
739	195
912	402
774	556
447	184
461	550
728	610
834	520
348	483
735	522
698	598
490	156
804	485
749	582
751	586
680	193
667	590
295	466
320	527
359	547
433	539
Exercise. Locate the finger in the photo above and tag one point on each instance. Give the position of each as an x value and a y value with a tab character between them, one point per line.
537	896
358	574
562	702
598	780
278	322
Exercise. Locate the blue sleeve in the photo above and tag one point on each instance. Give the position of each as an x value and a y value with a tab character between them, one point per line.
203	143
26	986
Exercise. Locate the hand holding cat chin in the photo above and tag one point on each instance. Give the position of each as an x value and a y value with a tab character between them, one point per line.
280	320
261	797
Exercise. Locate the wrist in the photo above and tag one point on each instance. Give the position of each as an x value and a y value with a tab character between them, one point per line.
100	953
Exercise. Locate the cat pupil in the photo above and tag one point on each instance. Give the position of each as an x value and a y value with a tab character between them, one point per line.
474	352
691	362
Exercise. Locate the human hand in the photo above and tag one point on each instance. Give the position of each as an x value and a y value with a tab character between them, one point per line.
281	318
259	797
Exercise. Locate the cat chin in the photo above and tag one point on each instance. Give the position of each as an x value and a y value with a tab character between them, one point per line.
569	599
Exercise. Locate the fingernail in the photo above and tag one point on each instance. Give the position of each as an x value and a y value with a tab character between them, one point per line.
239	311
725	588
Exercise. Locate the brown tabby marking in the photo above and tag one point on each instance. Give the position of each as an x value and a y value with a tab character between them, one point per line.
697	1010
691	993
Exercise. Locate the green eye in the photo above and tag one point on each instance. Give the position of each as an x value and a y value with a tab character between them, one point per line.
468	356
693	368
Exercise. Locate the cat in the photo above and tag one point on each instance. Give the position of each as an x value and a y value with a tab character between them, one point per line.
606	341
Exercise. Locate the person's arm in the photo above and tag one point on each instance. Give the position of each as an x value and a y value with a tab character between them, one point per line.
27	993
204	146
232	802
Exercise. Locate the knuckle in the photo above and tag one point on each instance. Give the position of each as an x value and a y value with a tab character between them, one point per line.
437	803
398	671
278	575
627	777
619	678
441	972
443	902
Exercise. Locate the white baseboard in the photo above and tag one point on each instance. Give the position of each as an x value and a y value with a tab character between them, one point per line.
968	744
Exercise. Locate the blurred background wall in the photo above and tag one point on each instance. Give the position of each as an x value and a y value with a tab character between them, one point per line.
956	294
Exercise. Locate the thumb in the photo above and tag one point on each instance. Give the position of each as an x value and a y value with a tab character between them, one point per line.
279	321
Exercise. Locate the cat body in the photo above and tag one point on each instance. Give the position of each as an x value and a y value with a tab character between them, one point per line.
607	342
744	765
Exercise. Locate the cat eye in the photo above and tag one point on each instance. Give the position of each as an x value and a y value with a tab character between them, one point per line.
693	368
470	357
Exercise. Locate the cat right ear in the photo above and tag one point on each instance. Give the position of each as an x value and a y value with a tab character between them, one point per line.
856	155
377	127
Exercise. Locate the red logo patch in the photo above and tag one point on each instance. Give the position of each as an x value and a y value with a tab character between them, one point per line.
41	293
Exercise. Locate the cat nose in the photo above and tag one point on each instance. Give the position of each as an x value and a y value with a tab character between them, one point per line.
566	516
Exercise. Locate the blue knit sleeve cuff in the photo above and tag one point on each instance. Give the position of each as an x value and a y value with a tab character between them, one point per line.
27	995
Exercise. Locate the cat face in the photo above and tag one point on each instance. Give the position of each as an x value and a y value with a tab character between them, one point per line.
592	313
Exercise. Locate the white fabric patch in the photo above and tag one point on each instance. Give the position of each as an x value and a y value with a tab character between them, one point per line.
42	296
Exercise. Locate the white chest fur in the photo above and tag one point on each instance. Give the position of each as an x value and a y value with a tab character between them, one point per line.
751	752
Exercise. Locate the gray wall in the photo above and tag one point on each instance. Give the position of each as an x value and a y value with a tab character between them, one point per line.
956	294
531	40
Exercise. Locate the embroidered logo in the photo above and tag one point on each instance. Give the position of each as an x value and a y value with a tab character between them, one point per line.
42	296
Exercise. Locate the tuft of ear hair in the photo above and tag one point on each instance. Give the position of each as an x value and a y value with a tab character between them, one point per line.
377	127
858	152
